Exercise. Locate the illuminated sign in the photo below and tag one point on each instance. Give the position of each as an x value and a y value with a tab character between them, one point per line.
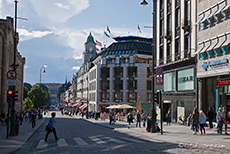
215	63
223	83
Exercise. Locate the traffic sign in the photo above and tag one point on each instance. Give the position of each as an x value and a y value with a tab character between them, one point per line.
159	70
11	82
11	74
159	80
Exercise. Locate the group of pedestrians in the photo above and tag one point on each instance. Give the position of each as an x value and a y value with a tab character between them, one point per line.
199	120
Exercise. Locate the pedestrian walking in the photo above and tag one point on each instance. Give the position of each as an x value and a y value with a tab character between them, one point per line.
210	116
224	118
219	121
144	117
33	119
202	121
138	118
51	127
130	118
195	121
168	117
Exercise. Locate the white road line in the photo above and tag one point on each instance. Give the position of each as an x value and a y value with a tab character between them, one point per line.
115	140
80	141
133	140
97	140
42	144
62	143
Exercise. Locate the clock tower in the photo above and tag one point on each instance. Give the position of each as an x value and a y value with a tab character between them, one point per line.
90	50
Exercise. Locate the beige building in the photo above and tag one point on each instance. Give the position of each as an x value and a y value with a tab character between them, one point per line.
213	38
6	60
175	54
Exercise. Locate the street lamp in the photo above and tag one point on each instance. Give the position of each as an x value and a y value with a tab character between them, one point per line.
144	3
44	71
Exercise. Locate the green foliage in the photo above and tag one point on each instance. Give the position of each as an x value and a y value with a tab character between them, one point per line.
25	93
28	104
61	90
28	86
38	96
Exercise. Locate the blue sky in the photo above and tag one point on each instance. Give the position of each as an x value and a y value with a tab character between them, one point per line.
56	30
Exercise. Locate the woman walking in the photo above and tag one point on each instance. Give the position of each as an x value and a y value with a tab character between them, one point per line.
219	120
195	121
202	121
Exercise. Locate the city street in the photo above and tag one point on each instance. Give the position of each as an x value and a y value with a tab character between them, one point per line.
80	136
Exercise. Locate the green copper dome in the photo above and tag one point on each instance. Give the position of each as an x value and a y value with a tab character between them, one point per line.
90	38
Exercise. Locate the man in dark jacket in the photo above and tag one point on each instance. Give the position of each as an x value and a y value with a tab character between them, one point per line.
33	119
210	115
130	118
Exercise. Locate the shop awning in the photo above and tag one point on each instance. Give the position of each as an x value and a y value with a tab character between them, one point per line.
76	105
82	107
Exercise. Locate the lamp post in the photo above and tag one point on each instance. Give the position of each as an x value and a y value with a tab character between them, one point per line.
144	3
44	71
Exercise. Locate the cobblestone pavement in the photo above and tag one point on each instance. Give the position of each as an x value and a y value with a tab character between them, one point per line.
80	136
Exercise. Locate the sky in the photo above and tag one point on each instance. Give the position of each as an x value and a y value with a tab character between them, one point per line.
55	31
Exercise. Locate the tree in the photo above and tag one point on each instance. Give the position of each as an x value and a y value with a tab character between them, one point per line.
25	93
28	104
28	86
38	96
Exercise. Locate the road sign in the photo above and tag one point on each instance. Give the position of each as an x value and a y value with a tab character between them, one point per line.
159	80
159	71
11	82
11	74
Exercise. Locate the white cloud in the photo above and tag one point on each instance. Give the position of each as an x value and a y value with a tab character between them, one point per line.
27	35
60	5
26	66
76	68
78	57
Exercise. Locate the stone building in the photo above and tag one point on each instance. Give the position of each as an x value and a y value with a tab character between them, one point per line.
175	54
6	61
213	38
117	75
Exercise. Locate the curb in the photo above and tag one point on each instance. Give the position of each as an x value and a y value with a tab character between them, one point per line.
98	124
14	151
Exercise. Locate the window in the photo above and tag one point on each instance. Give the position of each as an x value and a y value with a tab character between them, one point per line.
185	79
187	10
215	53
201	56
117	60
177	46
170	81
223	50
177	20
131	59
161	52
149	85
161	27
208	55
161	4
169	23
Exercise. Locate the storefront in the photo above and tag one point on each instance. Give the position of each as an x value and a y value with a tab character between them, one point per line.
214	83
179	92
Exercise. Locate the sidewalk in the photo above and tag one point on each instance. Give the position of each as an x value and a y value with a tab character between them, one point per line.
174	133
13	143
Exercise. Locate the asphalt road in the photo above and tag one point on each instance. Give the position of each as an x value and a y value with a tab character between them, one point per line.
82	137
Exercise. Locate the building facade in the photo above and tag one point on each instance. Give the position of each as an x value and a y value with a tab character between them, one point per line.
175	54
6	61
117	75
213	38
53	92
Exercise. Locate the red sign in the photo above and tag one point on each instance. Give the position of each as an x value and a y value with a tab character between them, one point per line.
11	74
159	80
221	83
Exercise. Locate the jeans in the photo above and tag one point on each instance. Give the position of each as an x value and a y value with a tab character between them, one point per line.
138	121
210	123
144	120
195	127
220	127
51	130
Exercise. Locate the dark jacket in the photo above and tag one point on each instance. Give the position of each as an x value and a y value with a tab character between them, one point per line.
195	118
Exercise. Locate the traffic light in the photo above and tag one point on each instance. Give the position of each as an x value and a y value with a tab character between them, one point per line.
10	96
157	98
15	95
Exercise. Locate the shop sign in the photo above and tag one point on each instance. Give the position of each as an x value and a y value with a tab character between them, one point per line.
215	64
223	83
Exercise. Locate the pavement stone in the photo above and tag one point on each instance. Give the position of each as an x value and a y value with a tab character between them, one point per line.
14	143
174	133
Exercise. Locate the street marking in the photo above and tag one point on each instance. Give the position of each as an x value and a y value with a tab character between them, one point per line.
80	141
42	144
115	140
133	140
62	142
97	140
